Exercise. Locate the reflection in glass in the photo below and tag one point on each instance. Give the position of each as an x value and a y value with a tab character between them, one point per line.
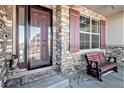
95	26
21	34
35	44
84	41
95	41
84	24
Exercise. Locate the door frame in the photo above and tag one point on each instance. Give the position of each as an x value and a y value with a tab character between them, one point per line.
27	30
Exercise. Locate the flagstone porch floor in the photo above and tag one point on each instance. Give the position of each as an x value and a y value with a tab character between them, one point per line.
111	80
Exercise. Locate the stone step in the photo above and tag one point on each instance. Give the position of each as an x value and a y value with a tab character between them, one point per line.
56	81
29	76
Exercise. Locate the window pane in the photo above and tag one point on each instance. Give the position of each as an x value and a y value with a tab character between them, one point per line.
82	27
95	41
84	37
87	45
95	25
95	44
84	45
21	34
88	21
87	28
84	41
95	38
82	19
84	24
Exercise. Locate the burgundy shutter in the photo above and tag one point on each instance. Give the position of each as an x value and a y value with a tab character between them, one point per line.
74	30
102	34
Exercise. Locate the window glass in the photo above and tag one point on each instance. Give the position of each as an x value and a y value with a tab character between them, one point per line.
84	24
84	41
95	41
21	30
95	26
89	33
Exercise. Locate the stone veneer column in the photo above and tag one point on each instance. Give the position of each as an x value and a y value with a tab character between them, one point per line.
5	40
63	56
62	31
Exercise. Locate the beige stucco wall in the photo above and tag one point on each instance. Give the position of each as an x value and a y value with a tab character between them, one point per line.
115	32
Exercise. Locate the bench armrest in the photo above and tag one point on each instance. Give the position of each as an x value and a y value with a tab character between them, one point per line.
94	64
115	59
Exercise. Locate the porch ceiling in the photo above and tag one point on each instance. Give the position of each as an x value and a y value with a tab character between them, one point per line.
105	10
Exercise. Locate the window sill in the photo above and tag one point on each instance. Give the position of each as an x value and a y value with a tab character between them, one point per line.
90	50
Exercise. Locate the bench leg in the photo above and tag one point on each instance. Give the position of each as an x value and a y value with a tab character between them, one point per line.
115	69
100	79
99	76
88	72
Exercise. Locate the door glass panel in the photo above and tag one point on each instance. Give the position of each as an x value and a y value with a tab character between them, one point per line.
35	44
21	31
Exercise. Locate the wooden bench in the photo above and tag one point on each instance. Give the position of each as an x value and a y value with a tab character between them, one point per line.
98	64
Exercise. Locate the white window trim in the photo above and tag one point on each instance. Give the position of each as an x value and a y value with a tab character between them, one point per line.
91	33
89	50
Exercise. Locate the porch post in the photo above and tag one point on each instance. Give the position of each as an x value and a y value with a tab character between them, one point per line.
62	35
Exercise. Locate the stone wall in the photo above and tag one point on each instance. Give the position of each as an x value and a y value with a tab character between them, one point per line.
117	51
5	26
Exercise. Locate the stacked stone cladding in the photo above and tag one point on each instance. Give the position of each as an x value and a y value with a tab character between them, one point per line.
3	43
116	51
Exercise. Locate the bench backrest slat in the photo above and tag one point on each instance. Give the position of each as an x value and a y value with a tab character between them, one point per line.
96	56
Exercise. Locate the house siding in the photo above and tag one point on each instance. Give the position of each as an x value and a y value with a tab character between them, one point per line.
115	29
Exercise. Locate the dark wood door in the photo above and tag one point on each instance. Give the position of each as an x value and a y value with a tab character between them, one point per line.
38	41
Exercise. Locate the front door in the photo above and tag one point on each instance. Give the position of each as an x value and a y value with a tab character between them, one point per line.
38	38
